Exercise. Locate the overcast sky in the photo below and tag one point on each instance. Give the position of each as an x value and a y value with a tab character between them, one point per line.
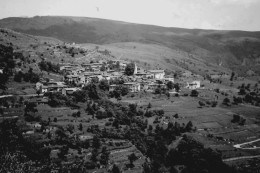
205	14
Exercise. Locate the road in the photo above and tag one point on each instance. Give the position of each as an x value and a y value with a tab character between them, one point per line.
250	142
240	158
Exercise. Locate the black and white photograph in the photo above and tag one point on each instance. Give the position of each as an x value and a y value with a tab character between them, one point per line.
129	86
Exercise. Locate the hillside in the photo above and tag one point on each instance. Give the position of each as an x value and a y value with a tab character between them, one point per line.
231	49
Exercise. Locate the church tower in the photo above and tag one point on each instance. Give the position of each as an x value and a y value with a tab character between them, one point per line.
135	71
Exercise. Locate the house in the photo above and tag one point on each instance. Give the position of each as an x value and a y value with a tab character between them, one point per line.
168	80
38	85
29	132
85	137
44	89
37	126
193	85
153	86
122	64
82	79
54	83
55	88
69	91
107	77
71	78
144	75
66	68
92	66
133	86
112	87
157	74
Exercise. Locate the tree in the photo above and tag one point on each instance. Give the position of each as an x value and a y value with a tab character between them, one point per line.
170	85
38	92
177	87
103	85
146	167
176	115
70	128
132	157
115	169
94	155
242	91
232	76
129	69
80	127
189	126
55	120
86	144
201	103
96	142
158	90
30	107
92	91
103	68
18	77
124	91
194	93
3	80
226	101
116	123
149	105
63	151
104	156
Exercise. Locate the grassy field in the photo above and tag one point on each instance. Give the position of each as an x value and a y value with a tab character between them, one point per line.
214	126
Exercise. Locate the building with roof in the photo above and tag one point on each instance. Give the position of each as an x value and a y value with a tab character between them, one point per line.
193	85
133	86
69	91
157	74
112	87
153	86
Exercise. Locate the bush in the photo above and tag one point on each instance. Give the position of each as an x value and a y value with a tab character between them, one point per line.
194	93
226	101
101	114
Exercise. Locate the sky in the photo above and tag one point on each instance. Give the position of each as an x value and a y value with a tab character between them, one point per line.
203	14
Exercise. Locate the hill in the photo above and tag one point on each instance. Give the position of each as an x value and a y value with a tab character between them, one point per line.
234	50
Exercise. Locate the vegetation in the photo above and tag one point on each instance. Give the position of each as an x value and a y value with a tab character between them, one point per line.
49	66
130	68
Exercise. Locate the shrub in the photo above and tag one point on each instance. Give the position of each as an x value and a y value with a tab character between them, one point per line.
194	93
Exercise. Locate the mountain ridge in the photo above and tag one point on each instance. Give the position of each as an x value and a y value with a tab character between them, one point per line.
232	49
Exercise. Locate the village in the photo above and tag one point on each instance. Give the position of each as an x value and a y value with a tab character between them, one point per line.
77	76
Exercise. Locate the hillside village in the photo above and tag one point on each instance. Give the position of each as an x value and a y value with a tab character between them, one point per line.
82	75
71	109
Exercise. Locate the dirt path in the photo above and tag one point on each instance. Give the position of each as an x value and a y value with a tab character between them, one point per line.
240	158
250	142
122	150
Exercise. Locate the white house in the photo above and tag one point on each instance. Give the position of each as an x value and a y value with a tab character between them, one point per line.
157	74
44	89
168	80
38	85
85	137
193	85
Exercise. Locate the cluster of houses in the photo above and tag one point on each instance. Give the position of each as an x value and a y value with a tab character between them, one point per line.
80	75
